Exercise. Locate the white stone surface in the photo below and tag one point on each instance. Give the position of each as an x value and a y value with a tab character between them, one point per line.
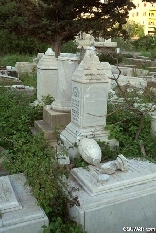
108	168
25	67
89	103
126	199
105	44
66	67
20	212
138	172
8	200
47	75
87	40
90	151
39	55
134	81
129	71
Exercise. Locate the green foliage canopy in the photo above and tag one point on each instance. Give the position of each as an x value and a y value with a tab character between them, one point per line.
134	29
56	22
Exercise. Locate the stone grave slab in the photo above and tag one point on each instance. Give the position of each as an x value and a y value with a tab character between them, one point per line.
8	199
18	208
138	172
126	199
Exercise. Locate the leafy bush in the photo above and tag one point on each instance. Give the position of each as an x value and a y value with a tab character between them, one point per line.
124	45
29	79
69	47
12	43
124	125
47	100
10	60
58	226
112	58
32	155
146	43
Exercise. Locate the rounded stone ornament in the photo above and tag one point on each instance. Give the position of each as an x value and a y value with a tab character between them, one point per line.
90	151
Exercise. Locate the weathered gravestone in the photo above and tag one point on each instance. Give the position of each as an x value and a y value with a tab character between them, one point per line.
18	208
66	67
25	67
47	75
123	199
89	104
57	116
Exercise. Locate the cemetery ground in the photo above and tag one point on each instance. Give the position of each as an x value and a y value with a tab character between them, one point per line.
33	156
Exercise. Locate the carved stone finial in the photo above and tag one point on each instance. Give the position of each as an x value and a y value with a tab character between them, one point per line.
90	151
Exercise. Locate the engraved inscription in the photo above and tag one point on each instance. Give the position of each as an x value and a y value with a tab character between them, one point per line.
75	105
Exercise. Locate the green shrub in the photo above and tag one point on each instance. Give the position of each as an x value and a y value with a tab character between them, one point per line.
128	55
32	155
124	45
11	43
29	79
11	59
145	43
69	47
58	226
124	125
47	100
112	58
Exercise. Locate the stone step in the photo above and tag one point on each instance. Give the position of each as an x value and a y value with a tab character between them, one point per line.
41	126
55	120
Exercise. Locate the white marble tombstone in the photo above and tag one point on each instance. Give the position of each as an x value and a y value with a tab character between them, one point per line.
89	103
47	75
66	67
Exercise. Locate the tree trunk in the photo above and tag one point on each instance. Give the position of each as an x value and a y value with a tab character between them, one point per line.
56	46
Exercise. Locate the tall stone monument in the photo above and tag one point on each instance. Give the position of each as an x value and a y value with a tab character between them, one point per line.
47	75
66	67
57	115
89	103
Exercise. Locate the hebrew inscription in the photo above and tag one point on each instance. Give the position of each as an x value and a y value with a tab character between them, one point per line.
75	105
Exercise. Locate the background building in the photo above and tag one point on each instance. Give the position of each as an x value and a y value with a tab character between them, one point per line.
145	14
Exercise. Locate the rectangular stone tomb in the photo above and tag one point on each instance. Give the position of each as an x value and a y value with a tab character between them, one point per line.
126	199
19	211
138	172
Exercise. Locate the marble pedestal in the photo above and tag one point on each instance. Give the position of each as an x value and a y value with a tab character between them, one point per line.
52	123
19	210
72	135
126	199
